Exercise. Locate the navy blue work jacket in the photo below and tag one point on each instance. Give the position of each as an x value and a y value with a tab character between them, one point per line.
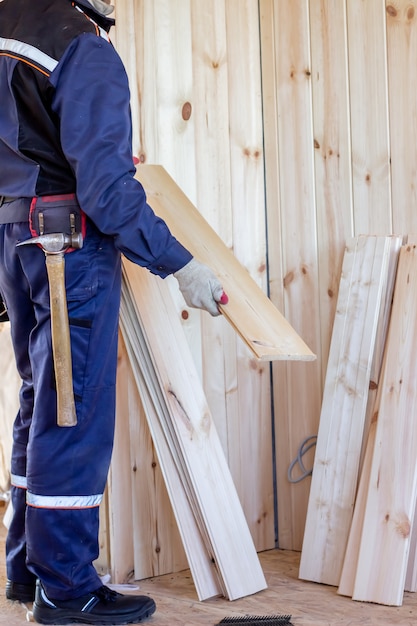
65	124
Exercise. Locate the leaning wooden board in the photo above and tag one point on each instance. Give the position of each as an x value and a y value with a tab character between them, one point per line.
200	562
264	329
186	424
390	503
365	290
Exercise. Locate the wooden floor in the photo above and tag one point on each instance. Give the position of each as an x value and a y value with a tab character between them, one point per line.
309	604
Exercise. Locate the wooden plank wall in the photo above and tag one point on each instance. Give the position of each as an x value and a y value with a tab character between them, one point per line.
189	63
291	125
338	81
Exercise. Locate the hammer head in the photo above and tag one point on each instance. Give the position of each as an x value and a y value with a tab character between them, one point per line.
55	243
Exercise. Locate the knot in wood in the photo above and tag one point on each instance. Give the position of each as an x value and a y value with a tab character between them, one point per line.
403	527
186	111
288	278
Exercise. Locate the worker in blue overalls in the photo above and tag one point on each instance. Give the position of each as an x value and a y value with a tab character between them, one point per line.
65	162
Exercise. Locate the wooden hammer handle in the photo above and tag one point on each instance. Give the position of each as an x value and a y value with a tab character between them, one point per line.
61	345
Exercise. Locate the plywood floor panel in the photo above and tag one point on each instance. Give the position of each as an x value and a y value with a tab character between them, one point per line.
310	604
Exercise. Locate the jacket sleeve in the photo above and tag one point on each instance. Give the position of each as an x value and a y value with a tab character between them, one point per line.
92	101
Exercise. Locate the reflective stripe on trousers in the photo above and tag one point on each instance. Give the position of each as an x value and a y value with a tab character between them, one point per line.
65	465
56	502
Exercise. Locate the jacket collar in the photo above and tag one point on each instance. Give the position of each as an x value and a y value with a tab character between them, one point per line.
103	21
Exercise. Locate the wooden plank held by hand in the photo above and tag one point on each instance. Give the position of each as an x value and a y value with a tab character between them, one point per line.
264	329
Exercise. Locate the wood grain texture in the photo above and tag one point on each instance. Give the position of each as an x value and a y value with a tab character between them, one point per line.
268	334
347	577
391	495
364	290
200	562
332	154
157	548
292	243
368	92
184	125
401	27
120	529
338	115
192	438
249	427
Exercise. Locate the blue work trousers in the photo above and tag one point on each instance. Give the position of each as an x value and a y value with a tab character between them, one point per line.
59	473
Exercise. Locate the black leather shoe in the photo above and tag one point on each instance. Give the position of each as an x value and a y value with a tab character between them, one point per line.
102	606
20	592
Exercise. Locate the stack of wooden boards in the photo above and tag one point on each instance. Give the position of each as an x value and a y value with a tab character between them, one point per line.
359	533
210	519
215	535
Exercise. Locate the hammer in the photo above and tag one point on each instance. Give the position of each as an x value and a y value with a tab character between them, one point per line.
54	246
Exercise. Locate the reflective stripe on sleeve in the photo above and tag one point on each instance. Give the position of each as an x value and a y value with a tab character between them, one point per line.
28	52
19	481
63	502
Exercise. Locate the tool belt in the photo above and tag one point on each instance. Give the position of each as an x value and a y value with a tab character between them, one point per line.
56	214
14	210
5	200
46	214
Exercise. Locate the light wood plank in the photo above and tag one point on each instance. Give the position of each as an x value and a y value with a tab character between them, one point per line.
391	496
283	489
157	548
401	26
103	562
350	562
362	296
129	16
249	311
411	574
228	145
249	427
347	577
293	249
212	147
200	562
9	404
154	38
410	583
196	443
332	154
119	500
367	62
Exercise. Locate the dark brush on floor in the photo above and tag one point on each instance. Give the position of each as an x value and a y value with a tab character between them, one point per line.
258	620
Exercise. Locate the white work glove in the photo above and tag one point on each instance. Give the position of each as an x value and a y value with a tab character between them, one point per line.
200	287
